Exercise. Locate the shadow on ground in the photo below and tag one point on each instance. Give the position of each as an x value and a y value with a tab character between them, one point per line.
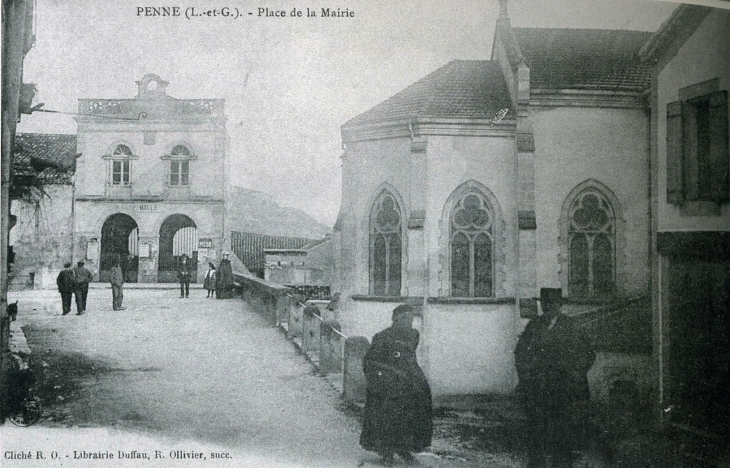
62	376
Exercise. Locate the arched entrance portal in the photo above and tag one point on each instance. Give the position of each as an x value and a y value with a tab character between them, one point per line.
119	243
178	236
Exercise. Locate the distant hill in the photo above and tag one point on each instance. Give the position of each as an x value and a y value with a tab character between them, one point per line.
257	212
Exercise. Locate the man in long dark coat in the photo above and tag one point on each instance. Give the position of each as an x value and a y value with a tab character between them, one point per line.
65	283
397	415
82	277
224	278
183	275
117	281
553	357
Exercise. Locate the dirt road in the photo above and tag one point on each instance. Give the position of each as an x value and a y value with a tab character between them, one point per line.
171	378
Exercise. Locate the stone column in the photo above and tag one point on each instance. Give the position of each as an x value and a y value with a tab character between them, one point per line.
147	272
416	274
330	361
310	329
354	383
527	288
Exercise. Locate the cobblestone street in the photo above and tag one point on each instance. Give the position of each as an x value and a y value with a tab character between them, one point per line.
191	375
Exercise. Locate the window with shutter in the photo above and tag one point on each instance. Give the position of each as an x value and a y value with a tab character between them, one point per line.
675	187
698	160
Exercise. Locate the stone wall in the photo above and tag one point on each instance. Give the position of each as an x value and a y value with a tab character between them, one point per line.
42	239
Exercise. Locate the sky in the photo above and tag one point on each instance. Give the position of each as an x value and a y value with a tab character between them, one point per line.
289	83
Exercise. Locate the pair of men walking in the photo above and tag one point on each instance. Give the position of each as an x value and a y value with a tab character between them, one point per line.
74	282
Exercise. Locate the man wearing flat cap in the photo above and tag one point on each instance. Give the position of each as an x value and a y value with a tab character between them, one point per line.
553	357
397	417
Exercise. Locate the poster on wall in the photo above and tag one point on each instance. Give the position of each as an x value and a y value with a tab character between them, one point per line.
454	156
92	250
144	250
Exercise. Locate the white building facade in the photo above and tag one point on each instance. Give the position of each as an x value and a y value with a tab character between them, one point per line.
691	217
150	184
486	180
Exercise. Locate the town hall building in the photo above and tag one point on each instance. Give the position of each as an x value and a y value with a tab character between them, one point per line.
150	183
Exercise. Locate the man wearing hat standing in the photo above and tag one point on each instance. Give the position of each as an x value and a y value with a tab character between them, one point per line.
183	275
553	357
397	416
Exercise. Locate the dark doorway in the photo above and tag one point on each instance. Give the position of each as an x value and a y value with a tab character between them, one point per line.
699	351
119	243
178	236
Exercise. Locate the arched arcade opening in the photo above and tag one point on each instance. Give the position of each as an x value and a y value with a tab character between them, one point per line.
119	244
178	236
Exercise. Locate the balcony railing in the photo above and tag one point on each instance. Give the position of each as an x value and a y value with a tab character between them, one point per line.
141	109
115	191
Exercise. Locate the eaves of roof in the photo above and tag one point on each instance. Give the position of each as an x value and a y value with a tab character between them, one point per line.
683	22
461	89
584	59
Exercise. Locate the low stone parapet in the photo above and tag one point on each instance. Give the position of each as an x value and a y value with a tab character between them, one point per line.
353	378
331	347
295	318
272	300
312	328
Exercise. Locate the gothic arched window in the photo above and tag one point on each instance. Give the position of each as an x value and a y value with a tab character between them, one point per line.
591	245
386	243
471	247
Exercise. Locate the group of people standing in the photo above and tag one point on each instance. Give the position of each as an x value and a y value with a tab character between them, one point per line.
74	282
552	357
218	282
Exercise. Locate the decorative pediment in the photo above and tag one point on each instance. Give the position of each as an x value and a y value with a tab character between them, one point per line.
151	87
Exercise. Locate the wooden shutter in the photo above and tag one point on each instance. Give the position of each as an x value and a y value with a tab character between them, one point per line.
675	187
720	161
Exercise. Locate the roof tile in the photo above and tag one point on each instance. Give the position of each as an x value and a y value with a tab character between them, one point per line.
49	157
591	59
459	89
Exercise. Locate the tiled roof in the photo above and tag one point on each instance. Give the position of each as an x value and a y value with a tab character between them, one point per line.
249	247
459	89
49	158
590	59
315	243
